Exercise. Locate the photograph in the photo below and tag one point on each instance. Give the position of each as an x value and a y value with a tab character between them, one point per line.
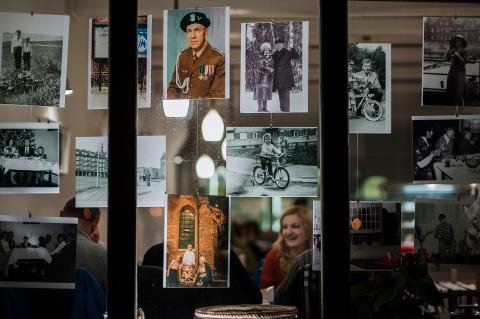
37	252
451	61
91	173
196	55
449	232
33	59
369	88
98	73
274	67
264	161
317	236
446	149
29	158
197	242
375	230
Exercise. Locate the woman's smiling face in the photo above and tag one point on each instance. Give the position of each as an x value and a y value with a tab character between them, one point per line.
293	231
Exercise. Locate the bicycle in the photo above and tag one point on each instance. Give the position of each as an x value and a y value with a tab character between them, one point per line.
281	177
371	108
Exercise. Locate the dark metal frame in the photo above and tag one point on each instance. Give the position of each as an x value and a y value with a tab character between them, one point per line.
122	165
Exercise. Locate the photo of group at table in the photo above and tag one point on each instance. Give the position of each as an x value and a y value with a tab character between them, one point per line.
37	252
29	157
446	148
196	242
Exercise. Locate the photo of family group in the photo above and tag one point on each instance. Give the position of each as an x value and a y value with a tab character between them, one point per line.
375	230
446	148
264	161
274	67
197	242
98	72
369	88
196	56
91	173
451	61
29	155
37	252
448	232
33	59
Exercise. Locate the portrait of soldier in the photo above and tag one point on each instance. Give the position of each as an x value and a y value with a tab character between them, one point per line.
199	71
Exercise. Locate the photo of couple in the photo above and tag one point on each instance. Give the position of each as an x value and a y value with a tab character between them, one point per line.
274	67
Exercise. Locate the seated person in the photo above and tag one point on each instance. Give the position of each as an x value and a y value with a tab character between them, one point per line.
40	153
294	238
268	149
203	277
25	243
61	244
10	150
90	254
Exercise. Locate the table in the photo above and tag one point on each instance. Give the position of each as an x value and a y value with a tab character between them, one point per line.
28	164
29	253
457	171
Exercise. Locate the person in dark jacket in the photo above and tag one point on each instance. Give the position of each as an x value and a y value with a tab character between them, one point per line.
468	145
283	80
203	277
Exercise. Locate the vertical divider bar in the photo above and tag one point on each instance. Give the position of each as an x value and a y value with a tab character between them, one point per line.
122	158
334	160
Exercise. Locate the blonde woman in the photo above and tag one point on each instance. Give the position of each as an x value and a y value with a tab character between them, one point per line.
295	237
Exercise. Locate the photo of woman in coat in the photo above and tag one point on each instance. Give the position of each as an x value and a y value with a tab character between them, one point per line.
264	78
457	78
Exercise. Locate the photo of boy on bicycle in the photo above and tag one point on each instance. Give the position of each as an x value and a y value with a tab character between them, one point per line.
268	150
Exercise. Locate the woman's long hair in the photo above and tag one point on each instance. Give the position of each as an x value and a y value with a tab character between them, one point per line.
285	255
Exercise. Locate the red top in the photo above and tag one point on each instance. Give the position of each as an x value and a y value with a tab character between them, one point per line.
272	274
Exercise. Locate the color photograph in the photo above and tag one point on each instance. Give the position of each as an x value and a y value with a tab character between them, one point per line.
264	161
91	174
449	232
274	67
33	59
451	61
369	88
196	56
446	149
37	252
197	242
98	72
375	230
29	158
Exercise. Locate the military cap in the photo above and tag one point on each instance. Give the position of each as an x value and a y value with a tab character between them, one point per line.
194	17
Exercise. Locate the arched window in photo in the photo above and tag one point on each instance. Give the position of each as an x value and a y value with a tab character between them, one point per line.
186	228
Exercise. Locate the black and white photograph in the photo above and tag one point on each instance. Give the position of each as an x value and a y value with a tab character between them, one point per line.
448	232
91	173
98	69
375	230
369	88
196	53
29	158
274	67
446	149
263	161
451	61
317	236
37	252
33	59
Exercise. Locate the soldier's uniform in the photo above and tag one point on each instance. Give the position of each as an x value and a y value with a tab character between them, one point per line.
200	77
203	78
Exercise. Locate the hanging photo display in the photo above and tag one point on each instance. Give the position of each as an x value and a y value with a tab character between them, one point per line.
375	233
369	88
197	242
451	64
91	173
196	55
274	67
29	155
317	236
98	69
264	161
448	232
446	149
37	252
33	59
